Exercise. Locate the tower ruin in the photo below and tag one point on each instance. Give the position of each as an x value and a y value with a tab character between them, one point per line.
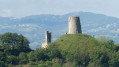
47	39
74	25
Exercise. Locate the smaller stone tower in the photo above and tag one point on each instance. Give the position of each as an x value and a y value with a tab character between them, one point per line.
74	25
47	39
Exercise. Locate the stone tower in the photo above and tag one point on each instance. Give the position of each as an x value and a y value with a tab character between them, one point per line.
47	39
74	25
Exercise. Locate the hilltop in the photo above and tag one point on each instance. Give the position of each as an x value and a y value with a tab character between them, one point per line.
69	42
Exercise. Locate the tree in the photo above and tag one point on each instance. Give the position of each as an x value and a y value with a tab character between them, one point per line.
99	59
23	59
14	43
2	56
38	55
12	60
114	61
102	38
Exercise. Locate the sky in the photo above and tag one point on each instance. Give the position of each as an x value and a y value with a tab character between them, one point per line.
22	8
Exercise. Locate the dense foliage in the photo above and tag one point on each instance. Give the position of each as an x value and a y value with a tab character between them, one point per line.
70	50
11	47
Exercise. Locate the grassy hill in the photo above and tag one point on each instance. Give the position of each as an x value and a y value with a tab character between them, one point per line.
74	42
85	51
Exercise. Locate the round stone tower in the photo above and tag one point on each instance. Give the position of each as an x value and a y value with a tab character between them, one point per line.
74	25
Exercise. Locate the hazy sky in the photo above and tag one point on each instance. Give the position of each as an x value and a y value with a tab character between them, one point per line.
21	8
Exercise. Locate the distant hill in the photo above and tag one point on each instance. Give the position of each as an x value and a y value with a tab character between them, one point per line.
34	27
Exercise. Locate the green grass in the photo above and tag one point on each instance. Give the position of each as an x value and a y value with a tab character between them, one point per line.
75	42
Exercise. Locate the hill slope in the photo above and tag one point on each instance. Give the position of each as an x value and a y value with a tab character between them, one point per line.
75	42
